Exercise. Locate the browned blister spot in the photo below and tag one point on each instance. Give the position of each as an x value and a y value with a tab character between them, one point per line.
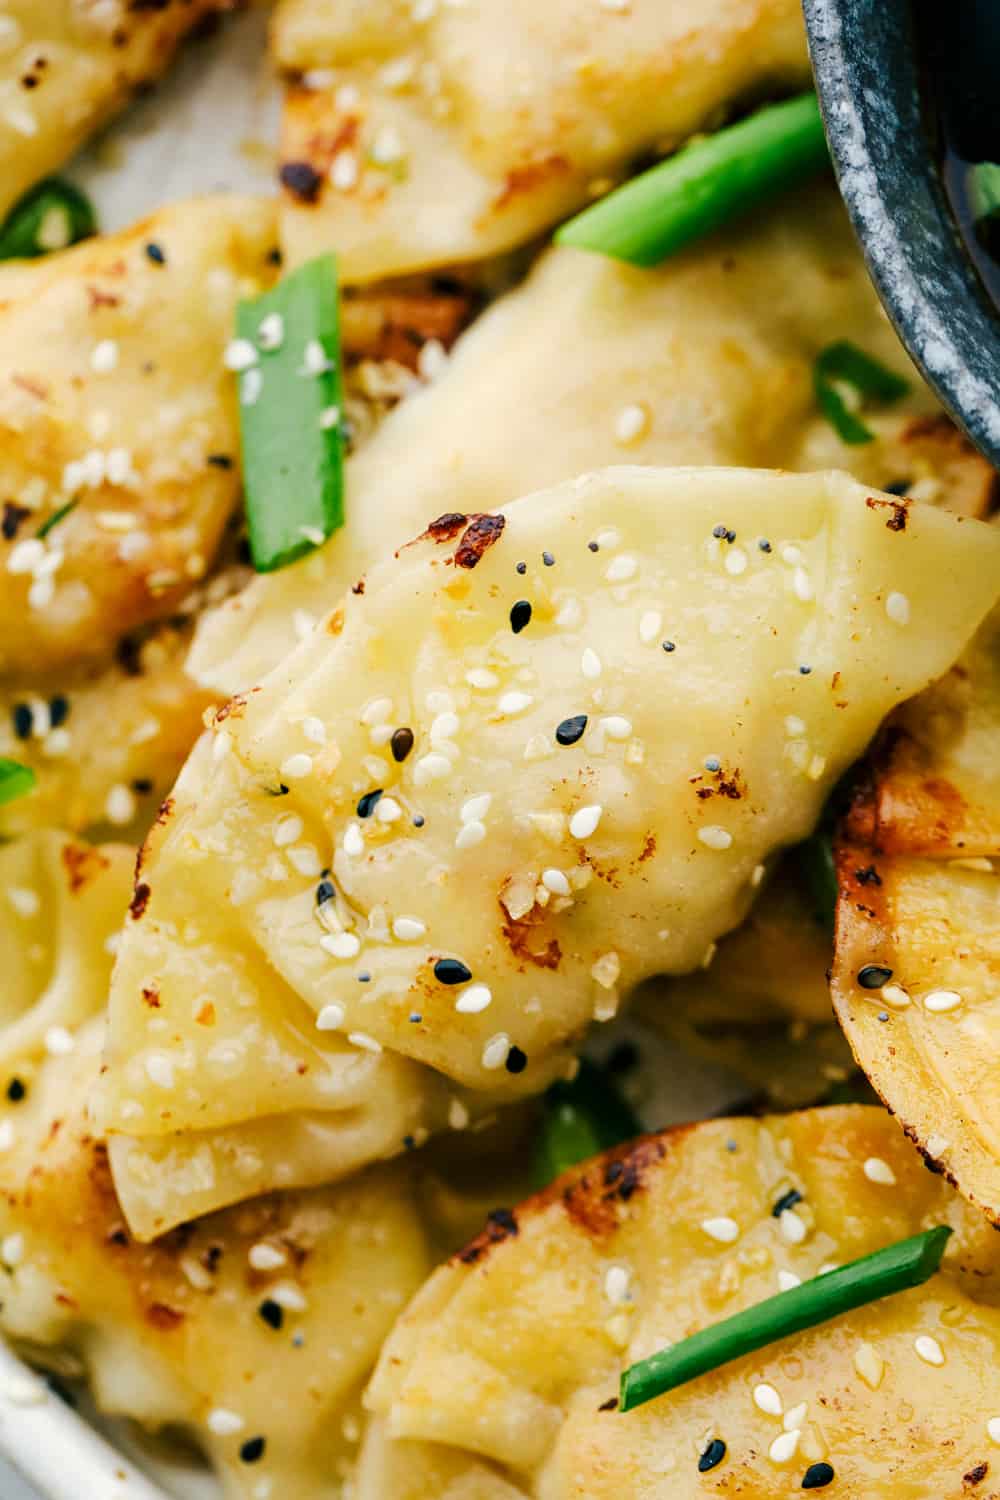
140	900
151	996
597	1200
482	532
525	179
500	1225
897	511
163	1317
82	864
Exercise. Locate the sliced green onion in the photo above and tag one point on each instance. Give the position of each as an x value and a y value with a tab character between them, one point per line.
983	188
819	870
704	185
51	216
843	364
56	517
15	779
581	1119
908	1263
291	415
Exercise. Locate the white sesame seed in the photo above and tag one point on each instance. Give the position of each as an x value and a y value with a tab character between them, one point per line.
474	809
795	1417
469	835
722	1228
794	726
434	767
877	1170
364	1041
767	1400
56	230
271	332
12	1249
240	355
313	534
331	1017
714	837
650	626
264	1257
329	418
119	805
895	995
432	360
496	1051
474	999
287	830
802	585
25	555
41	593
757	875
617	727
585	820
606	970
223	1423
444	727
942	1000
928	1349
869	1365
104	357
631	423
897	607
344	170
305	858
816	767
388	810
408	929
286	1293
24	901
590	663
377	711
315	360
993	1428
314	730
251	385
160	1070
296	766
792	1226
937	1145
458	1115
784	1446
354	842
788	1279
6	1135
556	882
617	1280
481	678
514	703
621	569
791	554
341	944
439	701
570	614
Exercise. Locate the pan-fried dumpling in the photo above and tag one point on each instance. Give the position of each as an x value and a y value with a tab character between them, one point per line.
252	1331
920	897
66	66
498	1382
706	360
537	757
421	134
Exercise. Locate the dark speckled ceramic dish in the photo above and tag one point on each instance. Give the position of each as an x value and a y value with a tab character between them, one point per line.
868	70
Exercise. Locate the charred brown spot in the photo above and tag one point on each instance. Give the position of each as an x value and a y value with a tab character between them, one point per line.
610	1405
31	385
868	876
160	1315
648	848
233	709
444	528
897	508
98	298
596	1199
359	587
206	1014
525	179
140	900
151	996
500	1225
977	1474
82	865
480	534
527	943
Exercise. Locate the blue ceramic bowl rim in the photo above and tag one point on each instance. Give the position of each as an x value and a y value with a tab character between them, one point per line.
868	85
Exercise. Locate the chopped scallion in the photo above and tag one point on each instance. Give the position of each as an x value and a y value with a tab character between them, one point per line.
55	518
704	185
580	1120
53	215
983	188
908	1263
843	364
15	780
291	415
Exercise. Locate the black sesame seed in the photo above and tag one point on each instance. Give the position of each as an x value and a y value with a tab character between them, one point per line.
23	721
593	547
325	891
520	615
409	1142
517	1061
252	1450
571	730
883	1015
156	254
874	976
817	1476
272	1312
451	971
16	1091
763	544
401	743
786	1201
720	531
301	179
363	976
368	803
219	461
416	1017
730	536
419	820
548	559
713	763
669	646
713	1455
142	785
521	567
804	670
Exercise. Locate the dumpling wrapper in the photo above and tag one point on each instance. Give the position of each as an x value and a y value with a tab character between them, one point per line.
498	1381
561	874
87	61
709	357
920	895
414	140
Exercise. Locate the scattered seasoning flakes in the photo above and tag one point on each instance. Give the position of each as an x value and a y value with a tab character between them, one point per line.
712	1456
272	1312
818	1476
401	743
520	615
873	976
451	971
571	730
252	1450
517	1061
368	803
